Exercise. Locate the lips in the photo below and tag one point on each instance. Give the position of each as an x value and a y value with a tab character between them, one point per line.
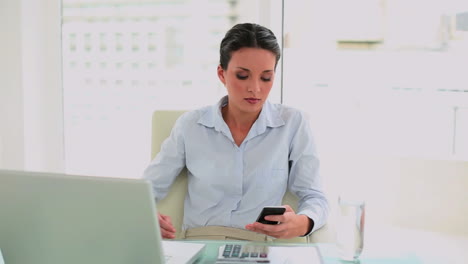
252	100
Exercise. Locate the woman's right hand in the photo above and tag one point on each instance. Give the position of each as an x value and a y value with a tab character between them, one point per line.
167	229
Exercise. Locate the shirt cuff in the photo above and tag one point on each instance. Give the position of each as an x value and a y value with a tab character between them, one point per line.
313	218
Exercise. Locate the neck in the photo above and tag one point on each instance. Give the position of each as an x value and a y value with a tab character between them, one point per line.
238	119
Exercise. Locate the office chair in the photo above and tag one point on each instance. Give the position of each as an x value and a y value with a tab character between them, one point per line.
173	203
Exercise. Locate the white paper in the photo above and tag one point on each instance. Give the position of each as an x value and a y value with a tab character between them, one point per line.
1	258
294	255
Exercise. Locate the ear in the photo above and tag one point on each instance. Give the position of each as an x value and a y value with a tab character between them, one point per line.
221	74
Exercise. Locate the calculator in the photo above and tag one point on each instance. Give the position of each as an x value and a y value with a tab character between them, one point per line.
243	253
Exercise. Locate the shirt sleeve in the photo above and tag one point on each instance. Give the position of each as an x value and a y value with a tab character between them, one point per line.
168	163
304	177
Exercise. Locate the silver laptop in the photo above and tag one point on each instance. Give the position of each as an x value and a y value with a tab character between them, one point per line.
48	218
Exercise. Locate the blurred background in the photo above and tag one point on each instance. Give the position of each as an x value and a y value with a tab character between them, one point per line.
383	81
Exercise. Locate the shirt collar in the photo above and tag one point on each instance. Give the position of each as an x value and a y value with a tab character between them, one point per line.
270	116
213	117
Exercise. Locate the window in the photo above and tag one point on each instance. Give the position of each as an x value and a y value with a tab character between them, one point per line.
125	59
374	76
380	77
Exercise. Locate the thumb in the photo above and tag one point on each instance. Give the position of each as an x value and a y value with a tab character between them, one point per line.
288	208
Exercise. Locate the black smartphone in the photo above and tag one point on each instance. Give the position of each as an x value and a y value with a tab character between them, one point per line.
270	210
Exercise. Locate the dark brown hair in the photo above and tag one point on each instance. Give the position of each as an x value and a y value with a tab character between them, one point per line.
247	35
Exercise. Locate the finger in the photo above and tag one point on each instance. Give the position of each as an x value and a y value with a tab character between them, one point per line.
288	208
165	223
169	227
275	218
167	231
260	228
280	218
165	217
277	231
268	228
167	234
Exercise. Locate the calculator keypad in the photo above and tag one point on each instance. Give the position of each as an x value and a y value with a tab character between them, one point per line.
244	253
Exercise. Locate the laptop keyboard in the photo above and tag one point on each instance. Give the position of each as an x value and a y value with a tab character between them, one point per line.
237	253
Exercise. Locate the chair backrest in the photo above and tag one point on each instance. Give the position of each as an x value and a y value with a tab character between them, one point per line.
173	203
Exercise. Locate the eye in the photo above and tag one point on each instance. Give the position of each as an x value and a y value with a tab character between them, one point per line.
242	77
266	79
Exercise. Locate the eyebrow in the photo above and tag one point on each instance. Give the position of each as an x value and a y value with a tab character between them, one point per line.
245	69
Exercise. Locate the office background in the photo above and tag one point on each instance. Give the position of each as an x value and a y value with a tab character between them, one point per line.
383	81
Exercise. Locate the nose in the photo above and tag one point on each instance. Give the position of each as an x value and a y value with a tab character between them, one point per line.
254	86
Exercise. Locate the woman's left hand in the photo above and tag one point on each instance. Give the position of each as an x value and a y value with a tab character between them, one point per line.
291	225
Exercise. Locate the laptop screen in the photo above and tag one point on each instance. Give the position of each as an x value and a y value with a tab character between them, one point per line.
48	218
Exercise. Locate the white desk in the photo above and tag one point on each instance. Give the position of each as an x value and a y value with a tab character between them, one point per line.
387	245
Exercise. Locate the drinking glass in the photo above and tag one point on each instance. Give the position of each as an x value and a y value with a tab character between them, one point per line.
350	228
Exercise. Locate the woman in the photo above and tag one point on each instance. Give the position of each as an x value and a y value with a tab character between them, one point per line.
242	153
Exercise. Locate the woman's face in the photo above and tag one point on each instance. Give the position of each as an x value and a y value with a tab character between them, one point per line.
248	78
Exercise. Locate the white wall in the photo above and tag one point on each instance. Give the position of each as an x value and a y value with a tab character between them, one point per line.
425	194
11	103
31	114
411	193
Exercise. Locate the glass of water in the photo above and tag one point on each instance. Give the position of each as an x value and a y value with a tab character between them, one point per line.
350	228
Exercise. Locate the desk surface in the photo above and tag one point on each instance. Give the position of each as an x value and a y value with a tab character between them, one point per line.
211	249
327	250
394	246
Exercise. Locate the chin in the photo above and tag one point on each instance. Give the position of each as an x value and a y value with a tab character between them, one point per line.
253	109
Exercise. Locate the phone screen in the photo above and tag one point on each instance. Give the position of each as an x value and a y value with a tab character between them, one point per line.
270	210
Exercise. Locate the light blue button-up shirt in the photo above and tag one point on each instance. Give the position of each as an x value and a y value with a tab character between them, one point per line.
228	184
